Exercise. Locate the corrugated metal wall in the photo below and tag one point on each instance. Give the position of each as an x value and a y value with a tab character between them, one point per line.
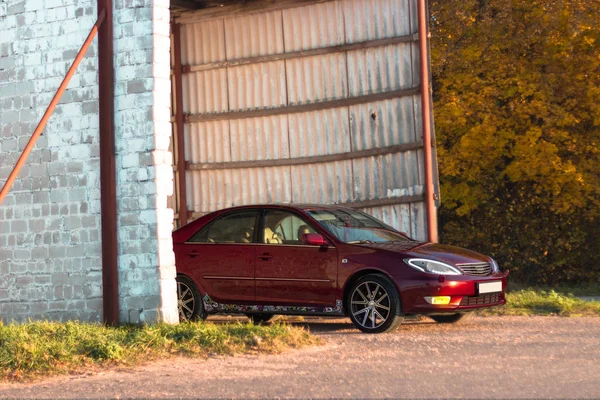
250	87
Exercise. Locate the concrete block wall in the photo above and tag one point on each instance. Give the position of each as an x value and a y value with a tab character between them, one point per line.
50	231
144	162
50	222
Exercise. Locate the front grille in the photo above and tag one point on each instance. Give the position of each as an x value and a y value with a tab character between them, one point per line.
479	269
481	300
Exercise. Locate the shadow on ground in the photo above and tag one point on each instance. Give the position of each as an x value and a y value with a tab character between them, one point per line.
322	325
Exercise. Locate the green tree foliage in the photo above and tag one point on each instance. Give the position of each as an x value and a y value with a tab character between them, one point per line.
517	112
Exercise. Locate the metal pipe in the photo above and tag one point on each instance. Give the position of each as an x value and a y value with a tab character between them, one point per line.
57	96
429	191
108	176
177	72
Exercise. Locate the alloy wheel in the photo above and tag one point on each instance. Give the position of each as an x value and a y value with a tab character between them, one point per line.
186	302
370	305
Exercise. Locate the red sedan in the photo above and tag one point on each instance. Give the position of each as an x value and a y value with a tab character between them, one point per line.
325	260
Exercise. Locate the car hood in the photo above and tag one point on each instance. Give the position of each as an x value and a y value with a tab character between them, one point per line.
440	252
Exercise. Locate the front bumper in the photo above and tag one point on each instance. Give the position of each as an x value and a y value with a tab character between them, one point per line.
462	289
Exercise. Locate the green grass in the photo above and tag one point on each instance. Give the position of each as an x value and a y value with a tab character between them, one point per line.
589	289
541	302
47	348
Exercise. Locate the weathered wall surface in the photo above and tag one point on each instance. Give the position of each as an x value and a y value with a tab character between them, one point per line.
50	250
337	82
144	162
50	222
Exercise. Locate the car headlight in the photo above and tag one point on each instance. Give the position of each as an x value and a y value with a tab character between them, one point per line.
494	264
432	267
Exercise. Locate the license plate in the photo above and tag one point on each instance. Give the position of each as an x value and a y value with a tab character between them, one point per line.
490	287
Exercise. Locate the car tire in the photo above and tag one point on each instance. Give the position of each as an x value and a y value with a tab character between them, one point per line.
449	318
189	300
260	318
373	304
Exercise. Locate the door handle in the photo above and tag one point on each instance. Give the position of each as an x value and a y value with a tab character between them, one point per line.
265	256
193	254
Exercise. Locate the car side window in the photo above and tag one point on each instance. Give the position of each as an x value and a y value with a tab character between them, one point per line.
236	227
284	227
201	236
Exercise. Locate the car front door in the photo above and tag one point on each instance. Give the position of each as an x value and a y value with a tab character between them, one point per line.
221	256
289	272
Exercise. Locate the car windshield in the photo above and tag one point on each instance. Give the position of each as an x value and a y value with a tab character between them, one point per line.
352	226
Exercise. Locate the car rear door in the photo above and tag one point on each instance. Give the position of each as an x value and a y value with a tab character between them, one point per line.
221	256
289	272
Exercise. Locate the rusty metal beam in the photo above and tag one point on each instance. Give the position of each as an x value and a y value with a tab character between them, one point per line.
187	4
200	4
108	182
301	108
376	152
180	154
429	191
302	53
388	201
59	92
232	8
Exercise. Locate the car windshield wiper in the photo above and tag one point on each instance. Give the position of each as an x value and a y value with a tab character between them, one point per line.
361	242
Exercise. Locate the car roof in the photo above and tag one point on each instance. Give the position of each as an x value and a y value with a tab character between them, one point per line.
186	230
299	206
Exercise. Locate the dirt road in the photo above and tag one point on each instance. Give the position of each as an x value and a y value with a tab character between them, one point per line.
493	357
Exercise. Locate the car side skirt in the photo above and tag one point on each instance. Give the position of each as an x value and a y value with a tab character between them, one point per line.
213	307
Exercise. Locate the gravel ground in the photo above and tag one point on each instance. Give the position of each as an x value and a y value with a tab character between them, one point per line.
483	357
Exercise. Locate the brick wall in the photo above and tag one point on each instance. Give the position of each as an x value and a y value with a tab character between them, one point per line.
50	222
50	250
145	177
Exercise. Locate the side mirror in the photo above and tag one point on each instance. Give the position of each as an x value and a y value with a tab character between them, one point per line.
313	239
